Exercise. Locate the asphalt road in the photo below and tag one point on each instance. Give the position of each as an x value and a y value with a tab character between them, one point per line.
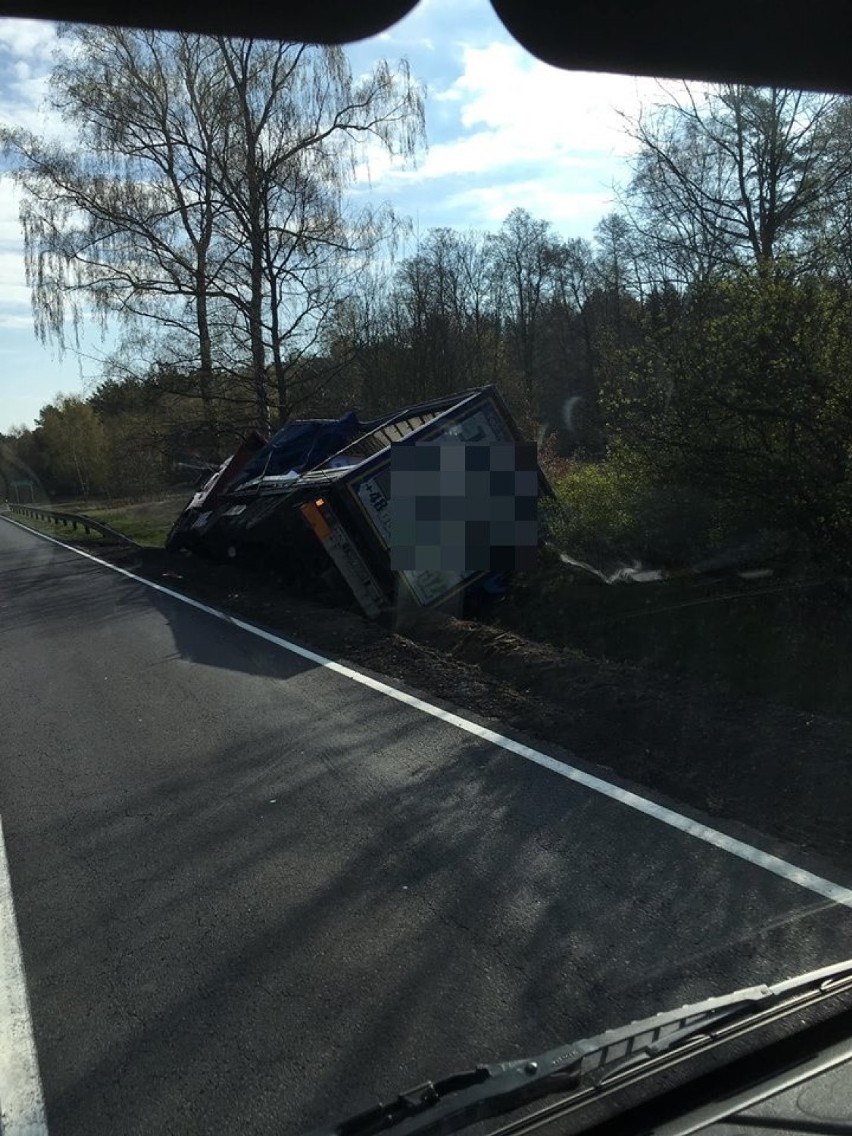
248	887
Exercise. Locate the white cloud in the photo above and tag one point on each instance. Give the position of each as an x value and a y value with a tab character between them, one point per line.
13	289
10	225
514	108
16	322
32	39
573	210
22	104
28	51
521	132
14	294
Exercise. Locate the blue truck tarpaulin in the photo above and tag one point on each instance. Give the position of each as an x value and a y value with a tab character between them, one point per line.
300	445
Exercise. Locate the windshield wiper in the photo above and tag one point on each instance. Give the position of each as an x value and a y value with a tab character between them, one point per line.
588	1065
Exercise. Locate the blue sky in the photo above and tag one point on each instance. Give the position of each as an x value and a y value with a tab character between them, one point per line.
503	130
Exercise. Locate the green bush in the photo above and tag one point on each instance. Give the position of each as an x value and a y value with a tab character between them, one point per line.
748	401
611	513
596	516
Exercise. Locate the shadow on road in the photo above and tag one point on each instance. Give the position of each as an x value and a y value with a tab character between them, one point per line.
313	926
48	592
42	588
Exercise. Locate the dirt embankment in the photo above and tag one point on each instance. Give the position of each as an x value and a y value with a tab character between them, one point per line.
770	767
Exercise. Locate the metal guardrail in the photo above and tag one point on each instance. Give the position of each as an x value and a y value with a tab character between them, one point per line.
74	520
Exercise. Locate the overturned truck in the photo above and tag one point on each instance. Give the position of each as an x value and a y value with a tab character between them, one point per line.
314	503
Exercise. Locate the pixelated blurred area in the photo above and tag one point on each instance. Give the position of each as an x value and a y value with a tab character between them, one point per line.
462	507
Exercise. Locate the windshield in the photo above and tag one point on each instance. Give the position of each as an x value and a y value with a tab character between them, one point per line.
424	561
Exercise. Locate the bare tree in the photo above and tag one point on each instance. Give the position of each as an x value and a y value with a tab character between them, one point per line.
125	220
300	124
735	175
524	259
204	193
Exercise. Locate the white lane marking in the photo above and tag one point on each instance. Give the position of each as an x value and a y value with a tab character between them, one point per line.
783	868
21	1100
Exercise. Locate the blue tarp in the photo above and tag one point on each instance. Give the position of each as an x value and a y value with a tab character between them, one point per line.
301	445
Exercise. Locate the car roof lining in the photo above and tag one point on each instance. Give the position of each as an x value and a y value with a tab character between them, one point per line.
764	42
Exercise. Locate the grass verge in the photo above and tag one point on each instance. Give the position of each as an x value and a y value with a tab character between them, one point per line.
787	638
147	523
